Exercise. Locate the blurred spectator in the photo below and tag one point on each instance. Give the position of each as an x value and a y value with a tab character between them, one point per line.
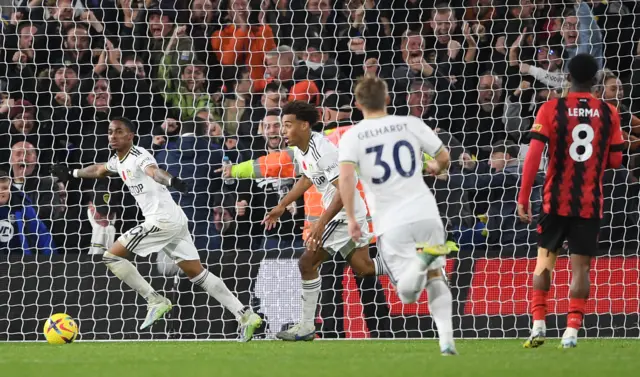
281	65
274	97
41	192
18	123
20	228
265	193
501	176
194	159
244	40
482	117
319	23
420	99
580	33
336	111
152	36
316	64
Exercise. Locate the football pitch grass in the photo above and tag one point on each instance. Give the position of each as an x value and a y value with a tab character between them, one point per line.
495	358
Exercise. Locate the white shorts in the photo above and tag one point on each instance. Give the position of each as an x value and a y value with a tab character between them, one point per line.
147	238
397	246
336	239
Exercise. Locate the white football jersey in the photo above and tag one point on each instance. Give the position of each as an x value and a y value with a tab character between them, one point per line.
320	164
388	154
154	199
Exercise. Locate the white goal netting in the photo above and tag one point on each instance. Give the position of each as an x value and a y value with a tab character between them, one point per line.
204	80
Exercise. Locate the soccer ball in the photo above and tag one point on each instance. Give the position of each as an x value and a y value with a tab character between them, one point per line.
60	329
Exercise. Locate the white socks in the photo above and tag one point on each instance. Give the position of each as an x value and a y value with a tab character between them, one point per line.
216	288
310	294
379	266
539	325
440	303
129	274
570	332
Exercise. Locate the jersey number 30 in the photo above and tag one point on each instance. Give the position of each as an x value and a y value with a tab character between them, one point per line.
397	164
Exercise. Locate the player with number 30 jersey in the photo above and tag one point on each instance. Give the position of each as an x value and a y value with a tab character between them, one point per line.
387	150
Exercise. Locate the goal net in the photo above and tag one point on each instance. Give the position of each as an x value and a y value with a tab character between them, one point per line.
203	82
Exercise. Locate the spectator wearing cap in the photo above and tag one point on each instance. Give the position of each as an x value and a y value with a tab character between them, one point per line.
336	111
21	229
18	123
244	40
500	177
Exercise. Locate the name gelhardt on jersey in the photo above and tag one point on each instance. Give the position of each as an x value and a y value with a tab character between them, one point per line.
388	153
154	199
320	165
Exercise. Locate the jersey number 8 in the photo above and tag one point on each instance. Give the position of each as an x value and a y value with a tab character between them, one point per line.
396	161
579	141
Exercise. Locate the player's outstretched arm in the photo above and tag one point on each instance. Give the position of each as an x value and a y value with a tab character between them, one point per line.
439	163
296	192
96	171
164	178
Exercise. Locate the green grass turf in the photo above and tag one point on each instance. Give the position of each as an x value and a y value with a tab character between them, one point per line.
495	358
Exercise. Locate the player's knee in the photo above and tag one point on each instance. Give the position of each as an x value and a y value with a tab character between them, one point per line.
109	259
363	266
305	263
435	274
191	268
407	295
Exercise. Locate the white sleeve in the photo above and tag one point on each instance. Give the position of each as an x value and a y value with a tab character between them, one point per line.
328	161
111	165
145	159
429	141
348	148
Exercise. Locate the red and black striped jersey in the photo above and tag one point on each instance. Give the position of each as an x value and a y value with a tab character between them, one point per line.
580	131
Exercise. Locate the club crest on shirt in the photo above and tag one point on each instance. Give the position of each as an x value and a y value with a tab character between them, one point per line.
106	198
126	174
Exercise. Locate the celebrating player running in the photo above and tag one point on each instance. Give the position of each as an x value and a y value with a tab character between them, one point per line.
165	228
388	151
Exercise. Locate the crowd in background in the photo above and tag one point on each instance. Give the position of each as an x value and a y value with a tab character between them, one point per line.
204	79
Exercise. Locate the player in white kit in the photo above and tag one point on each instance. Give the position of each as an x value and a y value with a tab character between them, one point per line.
317	159
387	151
164	229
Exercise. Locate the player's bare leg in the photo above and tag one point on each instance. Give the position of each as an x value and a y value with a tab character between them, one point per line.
116	261
215	287
578	296
363	265
545	263
309	265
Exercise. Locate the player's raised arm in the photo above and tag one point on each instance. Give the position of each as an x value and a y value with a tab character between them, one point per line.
164	178
431	145
96	171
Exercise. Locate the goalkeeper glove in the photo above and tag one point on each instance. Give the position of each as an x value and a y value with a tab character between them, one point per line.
62	172
178	184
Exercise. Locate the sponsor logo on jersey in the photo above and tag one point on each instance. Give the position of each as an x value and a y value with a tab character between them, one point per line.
319	181
537	127
106	198
136	189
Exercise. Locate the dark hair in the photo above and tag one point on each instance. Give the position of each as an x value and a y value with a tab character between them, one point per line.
303	111
583	69
130	56
4	176
273	113
126	122
273	86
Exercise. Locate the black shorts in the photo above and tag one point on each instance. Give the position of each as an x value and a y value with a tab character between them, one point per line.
581	234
